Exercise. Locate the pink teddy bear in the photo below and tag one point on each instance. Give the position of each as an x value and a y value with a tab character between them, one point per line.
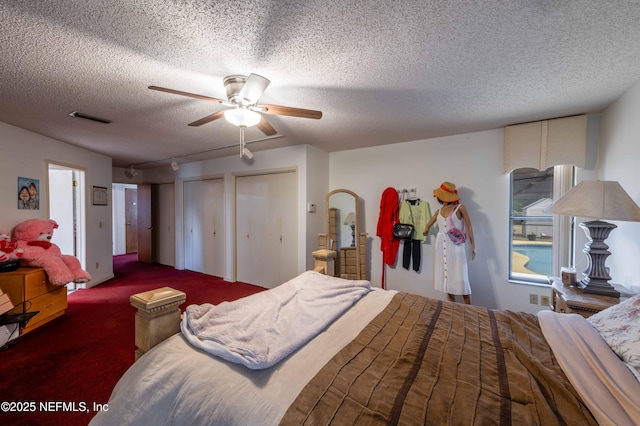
9	249
33	237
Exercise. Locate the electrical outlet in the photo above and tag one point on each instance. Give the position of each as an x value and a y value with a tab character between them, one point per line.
544	300
533	299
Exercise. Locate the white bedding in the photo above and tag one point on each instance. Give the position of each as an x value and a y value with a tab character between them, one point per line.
259	330
602	380
176	384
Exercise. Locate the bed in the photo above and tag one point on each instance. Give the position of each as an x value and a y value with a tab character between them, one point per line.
321	350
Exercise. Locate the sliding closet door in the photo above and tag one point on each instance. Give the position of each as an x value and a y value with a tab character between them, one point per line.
288	225
204	226
266	228
252	222
193	246
214	227
163	215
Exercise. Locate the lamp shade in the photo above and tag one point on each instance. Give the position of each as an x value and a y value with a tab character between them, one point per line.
350	219
597	200
242	117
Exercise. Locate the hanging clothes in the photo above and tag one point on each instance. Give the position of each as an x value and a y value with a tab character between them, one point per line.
389	211
417	213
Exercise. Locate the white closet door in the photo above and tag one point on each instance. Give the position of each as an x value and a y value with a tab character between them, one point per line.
193	250
213	237
266	236
288	224
252	223
164	236
204	226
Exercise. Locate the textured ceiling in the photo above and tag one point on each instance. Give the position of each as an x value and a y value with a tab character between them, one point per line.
380	71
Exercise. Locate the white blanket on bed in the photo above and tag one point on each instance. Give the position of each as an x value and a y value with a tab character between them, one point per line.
260	330
604	382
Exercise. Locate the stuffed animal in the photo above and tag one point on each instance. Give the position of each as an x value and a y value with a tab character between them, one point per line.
8	248
33	237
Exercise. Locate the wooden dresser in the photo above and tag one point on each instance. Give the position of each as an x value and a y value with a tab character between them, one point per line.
348	265
30	291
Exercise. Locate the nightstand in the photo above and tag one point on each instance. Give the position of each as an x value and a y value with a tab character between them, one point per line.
30	291
571	300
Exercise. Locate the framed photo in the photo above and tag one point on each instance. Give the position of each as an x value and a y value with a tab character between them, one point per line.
28	194
100	196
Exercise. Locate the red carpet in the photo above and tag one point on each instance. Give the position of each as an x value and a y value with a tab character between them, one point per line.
76	360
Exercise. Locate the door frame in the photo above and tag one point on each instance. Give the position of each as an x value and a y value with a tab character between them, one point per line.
78	232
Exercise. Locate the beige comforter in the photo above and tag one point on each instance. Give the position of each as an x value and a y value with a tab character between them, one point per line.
424	361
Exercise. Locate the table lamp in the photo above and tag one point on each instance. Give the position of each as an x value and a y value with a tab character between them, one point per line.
597	200
350	221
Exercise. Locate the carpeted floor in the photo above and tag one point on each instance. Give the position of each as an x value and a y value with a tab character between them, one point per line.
74	362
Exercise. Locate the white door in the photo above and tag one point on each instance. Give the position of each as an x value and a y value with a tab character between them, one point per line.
192	245
164	217
67	208
288	217
266	229
213	240
204	226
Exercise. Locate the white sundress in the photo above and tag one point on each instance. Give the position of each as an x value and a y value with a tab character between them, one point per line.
450	266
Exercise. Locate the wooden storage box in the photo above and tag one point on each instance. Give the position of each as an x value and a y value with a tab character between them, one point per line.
29	289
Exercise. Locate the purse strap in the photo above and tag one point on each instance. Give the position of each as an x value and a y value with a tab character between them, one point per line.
450	218
411	213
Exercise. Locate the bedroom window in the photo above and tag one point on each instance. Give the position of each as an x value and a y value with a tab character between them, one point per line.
540	244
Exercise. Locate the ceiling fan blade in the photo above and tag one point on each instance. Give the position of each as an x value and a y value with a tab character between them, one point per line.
208	119
254	88
292	112
265	127
191	95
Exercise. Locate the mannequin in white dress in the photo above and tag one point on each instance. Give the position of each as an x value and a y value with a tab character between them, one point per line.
450	266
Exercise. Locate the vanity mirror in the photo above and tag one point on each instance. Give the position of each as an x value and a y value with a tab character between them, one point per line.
343	240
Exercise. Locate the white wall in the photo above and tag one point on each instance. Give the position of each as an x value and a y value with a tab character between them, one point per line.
25	154
311	165
474	162
619	160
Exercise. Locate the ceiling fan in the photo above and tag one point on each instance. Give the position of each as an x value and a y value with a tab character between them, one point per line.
243	94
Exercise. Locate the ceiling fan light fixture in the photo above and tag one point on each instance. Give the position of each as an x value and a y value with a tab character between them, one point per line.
242	117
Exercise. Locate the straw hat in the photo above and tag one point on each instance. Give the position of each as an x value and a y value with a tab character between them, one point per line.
447	193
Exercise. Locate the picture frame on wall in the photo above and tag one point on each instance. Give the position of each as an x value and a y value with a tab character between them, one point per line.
100	196
28	193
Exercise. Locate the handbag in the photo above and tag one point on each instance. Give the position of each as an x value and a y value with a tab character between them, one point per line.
458	236
402	231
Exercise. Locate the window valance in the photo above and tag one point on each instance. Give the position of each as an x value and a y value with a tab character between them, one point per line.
542	144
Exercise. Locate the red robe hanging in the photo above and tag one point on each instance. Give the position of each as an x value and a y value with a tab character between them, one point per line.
389	210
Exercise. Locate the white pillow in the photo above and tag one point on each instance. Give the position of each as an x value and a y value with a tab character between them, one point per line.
619	326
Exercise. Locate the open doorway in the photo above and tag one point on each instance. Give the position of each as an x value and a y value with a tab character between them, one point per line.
67	208
132	230
125	218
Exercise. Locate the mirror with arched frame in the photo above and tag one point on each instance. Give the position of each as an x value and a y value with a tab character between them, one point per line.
343	233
